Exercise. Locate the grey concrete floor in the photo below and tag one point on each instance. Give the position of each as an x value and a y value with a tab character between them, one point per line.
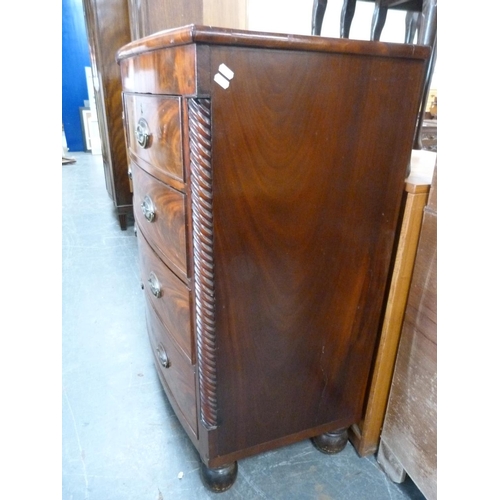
120	438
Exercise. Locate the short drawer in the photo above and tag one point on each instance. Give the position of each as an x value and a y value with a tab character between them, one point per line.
176	374
168	295
160	212
154	133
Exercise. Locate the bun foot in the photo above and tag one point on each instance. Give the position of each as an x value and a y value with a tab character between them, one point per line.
219	479
331	442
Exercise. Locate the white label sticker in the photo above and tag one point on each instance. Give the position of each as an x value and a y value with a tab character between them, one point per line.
228	73
221	81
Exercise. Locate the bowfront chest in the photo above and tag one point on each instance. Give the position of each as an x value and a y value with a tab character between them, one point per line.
268	172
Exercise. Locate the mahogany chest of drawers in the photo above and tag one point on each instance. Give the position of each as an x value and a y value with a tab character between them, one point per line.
268	172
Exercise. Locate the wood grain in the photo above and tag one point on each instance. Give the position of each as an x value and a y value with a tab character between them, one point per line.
167	232
107	27
178	379
294	183
365	435
305	221
410	426
173	307
138	77
211	35
163	155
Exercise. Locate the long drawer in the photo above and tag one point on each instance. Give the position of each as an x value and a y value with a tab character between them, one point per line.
160	212
176	374
154	134
169	296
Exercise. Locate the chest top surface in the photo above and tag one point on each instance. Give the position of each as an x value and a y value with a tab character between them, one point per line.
224	36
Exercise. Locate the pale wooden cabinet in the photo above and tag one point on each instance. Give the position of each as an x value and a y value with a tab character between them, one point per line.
409	435
365	434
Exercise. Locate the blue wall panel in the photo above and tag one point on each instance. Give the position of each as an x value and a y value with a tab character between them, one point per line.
75	56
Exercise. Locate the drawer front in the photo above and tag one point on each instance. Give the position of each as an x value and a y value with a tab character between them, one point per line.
154	133
168	295
160	212
176	374
151	71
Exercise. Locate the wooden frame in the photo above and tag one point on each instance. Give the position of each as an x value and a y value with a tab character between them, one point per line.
366	434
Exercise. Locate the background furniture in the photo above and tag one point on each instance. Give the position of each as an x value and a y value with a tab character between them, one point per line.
421	18
107	30
148	17
265	229
428	135
111	24
365	435
381	7
409	434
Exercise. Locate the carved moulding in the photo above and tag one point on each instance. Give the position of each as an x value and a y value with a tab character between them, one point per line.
200	149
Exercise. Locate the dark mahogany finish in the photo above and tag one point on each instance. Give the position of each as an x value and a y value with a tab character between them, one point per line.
421	17
331	442
176	374
294	174
107	24
172	302
166	231
219	479
162	116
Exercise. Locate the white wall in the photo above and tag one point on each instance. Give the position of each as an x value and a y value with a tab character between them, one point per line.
295	16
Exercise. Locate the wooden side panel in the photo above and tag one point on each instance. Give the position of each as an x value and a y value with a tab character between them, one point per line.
365	435
410	426
108	30
433	193
308	176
